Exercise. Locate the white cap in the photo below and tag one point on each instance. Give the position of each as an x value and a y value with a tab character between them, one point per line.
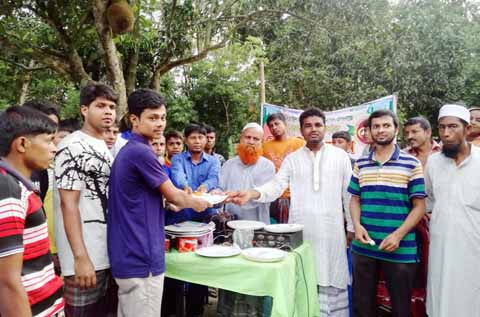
473	109
454	111
253	125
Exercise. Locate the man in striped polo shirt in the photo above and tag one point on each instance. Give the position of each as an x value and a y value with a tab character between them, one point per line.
388	200
28	284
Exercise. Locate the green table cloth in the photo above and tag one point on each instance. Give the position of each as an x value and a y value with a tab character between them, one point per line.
291	282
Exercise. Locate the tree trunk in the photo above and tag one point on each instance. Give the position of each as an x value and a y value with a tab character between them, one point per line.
112	61
131	76
134	54
26	79
155	82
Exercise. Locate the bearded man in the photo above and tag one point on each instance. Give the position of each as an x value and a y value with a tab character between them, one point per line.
248	169
453	186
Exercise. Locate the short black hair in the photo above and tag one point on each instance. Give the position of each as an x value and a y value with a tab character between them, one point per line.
383	113
422	121
276	116
69	125
342	135
311	112
174	134
209	129
142	99
94	90
124	124
44	106
194	128
18	121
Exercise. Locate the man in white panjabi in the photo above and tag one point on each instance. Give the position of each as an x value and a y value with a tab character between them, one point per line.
248	169
453	185
318	175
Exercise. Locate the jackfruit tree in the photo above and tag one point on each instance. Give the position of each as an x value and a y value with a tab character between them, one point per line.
124	43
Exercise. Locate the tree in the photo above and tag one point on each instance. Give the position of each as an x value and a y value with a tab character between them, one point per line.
224	90
74	39
424	51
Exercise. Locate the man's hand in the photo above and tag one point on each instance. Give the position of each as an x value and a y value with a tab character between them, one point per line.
202	189
428	216
350	236
85	276
391	242
199	204
188	190
217	191
239	197
172	207
361	234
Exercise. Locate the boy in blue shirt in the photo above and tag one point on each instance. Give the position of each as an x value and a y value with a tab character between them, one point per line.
135	231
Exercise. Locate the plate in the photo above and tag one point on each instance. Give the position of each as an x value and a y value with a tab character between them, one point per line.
284	228
190	227
245	224
218	251
264	254
188	234
212	199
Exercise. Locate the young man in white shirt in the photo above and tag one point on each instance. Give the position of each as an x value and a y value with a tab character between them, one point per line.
82	169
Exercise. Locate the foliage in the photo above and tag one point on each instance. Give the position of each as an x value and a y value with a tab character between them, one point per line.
224	91
201	54
353	51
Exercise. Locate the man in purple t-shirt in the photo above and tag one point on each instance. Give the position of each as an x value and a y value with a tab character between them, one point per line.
135	230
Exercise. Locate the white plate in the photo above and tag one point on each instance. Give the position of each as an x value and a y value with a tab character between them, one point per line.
188	234
212	199
284	228
218	251
264	254
190	227
245	224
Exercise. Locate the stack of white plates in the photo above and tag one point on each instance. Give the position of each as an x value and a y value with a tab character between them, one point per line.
189	229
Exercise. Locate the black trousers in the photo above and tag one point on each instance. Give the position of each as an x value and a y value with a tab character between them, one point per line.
174	302
399	278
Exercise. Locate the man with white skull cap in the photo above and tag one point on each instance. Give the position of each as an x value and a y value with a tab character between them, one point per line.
453	186
246	170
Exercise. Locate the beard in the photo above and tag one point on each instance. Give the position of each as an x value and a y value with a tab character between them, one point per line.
384	142
249	154
451	150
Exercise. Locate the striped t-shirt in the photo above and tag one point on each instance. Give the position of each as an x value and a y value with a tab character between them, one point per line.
385	193
23	229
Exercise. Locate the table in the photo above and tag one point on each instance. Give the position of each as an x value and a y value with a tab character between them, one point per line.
291	282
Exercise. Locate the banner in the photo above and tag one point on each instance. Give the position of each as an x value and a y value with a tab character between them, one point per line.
350	119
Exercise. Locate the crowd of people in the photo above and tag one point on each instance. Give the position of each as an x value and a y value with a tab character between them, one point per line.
83	208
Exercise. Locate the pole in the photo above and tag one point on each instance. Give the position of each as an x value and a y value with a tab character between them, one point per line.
262	83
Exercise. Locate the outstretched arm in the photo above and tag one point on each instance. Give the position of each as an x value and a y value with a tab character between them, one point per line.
182	199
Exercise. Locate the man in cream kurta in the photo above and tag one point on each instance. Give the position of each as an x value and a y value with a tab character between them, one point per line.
453	185
318	176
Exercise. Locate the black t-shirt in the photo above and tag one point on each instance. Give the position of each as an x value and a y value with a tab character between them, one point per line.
40	180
